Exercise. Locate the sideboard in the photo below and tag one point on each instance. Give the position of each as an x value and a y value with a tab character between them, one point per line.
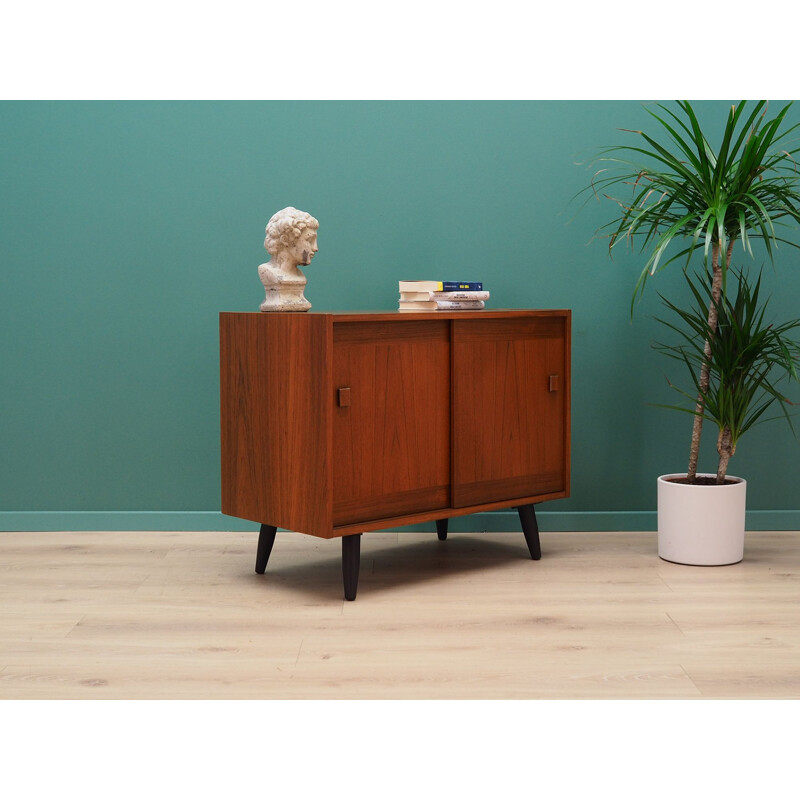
335	424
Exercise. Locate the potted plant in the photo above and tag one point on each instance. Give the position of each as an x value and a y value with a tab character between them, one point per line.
703	521
684	191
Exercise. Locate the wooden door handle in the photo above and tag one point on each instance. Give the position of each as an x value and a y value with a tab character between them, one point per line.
344	397
555	383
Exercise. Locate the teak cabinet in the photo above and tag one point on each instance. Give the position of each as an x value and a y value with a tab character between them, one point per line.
334	424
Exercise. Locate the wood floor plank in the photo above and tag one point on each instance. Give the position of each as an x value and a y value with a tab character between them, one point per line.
183	615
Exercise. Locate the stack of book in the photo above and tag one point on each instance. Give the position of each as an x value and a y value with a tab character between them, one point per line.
442	295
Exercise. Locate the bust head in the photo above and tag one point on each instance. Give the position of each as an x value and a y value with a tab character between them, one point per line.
292	236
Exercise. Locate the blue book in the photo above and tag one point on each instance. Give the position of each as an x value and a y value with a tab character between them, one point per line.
441	286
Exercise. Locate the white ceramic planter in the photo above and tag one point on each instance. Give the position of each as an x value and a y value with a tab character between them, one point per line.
701	525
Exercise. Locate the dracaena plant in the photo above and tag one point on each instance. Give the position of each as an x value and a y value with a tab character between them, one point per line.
749	359
680	197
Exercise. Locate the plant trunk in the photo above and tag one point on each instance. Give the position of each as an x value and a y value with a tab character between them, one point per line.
705	370
725	449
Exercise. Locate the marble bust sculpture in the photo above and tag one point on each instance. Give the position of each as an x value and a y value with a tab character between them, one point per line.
291	241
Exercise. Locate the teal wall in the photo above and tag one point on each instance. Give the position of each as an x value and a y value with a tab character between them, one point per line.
127	227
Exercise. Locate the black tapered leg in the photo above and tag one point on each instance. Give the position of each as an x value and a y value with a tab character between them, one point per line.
351	558
441	529
527	516
266	538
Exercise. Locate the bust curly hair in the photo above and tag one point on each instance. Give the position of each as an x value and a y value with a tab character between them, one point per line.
285	228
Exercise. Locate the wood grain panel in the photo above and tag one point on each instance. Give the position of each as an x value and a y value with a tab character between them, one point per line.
361	509
510	431
391	445
364	332
390	522
405	317
549	326
275	419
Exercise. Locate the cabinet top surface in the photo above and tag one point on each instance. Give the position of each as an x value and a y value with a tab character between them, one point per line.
405	316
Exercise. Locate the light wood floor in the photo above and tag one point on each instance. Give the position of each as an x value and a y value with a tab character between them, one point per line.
183	615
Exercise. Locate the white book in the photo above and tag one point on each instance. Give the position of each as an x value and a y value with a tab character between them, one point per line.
462	295
441	305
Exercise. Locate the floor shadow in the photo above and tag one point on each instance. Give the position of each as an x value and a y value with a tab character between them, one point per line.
386	566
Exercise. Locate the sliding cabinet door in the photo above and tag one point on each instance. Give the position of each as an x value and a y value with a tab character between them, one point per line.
391	420
510	408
